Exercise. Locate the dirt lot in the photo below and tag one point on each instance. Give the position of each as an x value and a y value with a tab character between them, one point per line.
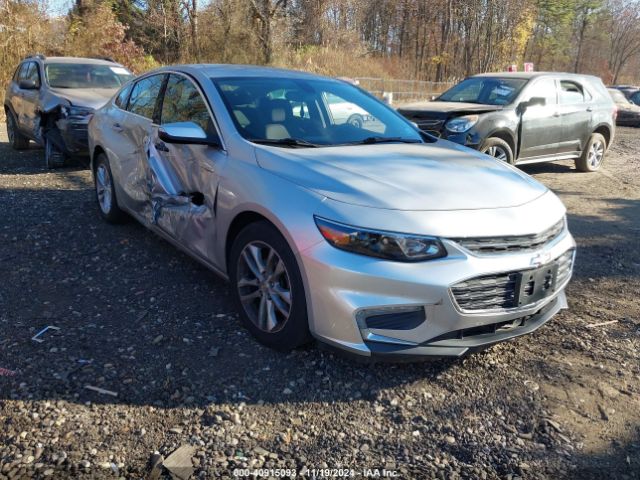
138	318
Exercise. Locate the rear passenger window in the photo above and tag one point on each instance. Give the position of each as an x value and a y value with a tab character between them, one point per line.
145	95
571	92
123	96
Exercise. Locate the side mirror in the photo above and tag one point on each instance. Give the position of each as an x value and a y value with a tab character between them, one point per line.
185	133
28	85
534	101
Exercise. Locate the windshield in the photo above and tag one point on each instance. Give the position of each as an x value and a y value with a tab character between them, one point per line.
484	90
73	75
310	113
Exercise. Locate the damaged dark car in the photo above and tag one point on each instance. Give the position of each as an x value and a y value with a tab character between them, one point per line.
524	117
50	101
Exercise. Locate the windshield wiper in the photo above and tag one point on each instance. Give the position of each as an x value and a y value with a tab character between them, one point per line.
372	140
285	142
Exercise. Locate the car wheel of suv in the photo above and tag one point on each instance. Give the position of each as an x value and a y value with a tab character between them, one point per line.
593	155
105	191
267	287
498	148
53	157
17	140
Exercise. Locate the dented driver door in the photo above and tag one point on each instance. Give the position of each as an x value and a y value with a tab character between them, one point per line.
184	178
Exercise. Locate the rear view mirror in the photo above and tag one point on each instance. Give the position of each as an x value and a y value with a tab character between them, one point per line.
186	133
28	85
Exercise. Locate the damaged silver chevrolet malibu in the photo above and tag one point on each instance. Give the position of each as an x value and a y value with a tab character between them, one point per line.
50	100
371	237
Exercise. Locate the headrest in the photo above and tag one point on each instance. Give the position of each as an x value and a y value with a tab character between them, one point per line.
278	115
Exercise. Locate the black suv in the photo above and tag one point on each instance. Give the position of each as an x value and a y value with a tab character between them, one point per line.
524	117
51	100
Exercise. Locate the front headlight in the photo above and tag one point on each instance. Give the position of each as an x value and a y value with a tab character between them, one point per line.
461	124
72	111
375	243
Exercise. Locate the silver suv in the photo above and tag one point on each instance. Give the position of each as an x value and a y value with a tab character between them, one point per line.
50	101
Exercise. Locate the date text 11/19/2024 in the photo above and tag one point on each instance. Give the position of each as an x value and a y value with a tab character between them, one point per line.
315	473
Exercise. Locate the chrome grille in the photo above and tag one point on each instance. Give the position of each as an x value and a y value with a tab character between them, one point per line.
498	292
522	243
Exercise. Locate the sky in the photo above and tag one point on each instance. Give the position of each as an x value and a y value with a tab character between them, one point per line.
58	7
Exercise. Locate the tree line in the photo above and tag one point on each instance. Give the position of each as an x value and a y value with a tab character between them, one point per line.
436	40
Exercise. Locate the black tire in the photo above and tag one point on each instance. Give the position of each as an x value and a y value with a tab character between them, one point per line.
16	139
356	120
498	148
293	332
593	155
104	186
53	156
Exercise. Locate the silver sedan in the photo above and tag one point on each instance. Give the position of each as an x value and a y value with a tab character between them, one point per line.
372	237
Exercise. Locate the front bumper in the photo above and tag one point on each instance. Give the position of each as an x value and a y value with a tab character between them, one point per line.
75	136
345	289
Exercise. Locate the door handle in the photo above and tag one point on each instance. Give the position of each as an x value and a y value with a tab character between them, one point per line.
161	147
117	127
589	109
556	114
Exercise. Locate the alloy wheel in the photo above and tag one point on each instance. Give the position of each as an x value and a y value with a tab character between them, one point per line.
596	152
264	287
497	152
103	188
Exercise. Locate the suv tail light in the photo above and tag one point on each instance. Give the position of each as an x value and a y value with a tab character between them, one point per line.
615	112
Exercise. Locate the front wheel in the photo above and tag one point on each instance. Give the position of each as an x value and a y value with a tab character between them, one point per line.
498	148
268	288
593	155
105	191
356	120
53	156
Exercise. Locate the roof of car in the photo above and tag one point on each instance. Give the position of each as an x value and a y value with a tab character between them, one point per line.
79	60
223	70
530	75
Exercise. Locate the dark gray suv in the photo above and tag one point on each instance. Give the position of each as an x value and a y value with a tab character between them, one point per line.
50	100
524	117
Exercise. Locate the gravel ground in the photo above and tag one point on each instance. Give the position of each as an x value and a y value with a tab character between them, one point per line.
140	319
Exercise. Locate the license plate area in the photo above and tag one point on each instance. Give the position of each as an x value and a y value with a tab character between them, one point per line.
534	285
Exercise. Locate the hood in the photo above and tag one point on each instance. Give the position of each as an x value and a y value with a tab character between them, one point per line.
85	97
436	176
447	107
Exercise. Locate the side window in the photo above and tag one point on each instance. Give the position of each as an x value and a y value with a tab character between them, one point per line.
33	73
182	102
144	96
123	97
571	92
22	71
545	88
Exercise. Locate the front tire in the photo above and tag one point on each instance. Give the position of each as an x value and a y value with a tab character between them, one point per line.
593	155
267	287
16	139
53	156
498	148
105	191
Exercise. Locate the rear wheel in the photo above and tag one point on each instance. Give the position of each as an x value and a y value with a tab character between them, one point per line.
53	156
105	191
593	155
356	120
498	148
16	139
267	287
